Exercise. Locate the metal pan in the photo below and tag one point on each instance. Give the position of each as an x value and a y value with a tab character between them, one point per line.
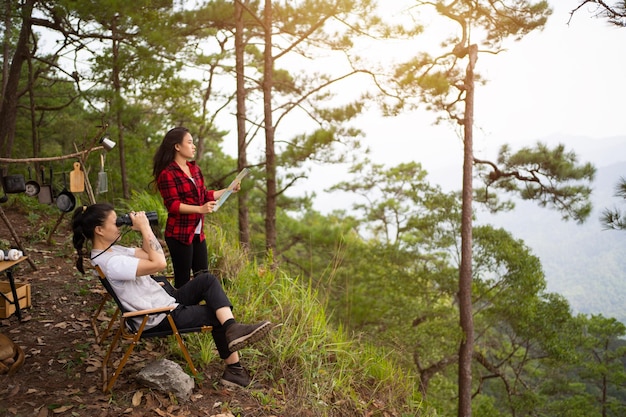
32	187
45	193
14	184
66	201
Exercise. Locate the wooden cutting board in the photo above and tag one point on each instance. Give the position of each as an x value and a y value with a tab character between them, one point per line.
77	179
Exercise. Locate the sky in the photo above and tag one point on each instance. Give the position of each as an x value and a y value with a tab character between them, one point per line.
564	81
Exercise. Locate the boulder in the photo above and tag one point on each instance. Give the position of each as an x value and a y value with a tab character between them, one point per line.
167	376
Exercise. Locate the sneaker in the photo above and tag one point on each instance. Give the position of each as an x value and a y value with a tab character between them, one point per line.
241	335
238	377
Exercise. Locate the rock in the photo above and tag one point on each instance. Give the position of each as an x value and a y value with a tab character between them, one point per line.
167	376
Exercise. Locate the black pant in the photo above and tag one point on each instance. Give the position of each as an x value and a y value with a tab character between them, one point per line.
186	258
204	287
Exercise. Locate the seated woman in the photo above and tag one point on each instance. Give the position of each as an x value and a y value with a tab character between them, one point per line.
129	269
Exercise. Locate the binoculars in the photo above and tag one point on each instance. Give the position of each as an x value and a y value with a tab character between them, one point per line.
152	216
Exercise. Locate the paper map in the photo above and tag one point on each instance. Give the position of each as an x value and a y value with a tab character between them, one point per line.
230	188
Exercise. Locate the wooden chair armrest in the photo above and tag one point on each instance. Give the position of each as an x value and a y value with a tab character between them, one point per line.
149	311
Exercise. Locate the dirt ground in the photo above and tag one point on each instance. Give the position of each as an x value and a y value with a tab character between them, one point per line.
61	375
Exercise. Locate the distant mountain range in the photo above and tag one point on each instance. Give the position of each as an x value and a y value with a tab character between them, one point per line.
584	263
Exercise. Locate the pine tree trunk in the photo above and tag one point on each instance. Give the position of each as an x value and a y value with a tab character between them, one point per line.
270	155
465	275
242	158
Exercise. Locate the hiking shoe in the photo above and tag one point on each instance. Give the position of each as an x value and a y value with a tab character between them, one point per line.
241	335
238	377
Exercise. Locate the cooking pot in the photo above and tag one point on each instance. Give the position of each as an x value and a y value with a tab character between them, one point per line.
66	201
32	187
14	184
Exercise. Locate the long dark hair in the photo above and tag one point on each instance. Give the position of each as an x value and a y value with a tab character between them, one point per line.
167	151
84	223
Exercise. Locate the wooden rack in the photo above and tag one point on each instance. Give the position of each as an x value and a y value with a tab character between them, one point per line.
82	156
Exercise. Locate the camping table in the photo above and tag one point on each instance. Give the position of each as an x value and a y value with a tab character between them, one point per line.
7	266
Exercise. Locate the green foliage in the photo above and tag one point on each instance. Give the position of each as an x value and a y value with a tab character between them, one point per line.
614	219
551	177
144	201
603	354
400	207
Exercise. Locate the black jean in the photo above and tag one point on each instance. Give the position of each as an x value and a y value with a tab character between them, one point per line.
187	258
204	287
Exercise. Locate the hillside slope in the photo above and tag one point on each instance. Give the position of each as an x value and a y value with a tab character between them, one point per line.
307	367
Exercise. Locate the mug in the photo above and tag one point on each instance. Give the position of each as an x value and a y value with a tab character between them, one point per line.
13	255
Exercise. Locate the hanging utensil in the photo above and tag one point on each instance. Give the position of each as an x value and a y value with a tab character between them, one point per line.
77	179
45	193
65	200
14	184
32	186
103	183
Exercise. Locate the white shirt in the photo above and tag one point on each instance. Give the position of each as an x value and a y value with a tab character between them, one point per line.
199	226
119	265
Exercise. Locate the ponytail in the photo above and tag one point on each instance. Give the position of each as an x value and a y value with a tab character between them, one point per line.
84	222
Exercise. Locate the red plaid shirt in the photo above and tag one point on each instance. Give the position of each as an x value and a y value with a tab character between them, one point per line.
176	188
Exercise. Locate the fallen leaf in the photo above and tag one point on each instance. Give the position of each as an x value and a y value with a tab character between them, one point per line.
94	361
72	391
137	398
62	409
26	318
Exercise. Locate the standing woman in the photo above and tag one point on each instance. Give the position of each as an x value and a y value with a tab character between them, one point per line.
181	184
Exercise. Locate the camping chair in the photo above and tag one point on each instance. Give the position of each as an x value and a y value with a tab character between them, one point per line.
96	317
129	331
105	297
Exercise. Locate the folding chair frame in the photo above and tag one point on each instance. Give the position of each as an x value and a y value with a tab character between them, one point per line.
94	319
127	331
